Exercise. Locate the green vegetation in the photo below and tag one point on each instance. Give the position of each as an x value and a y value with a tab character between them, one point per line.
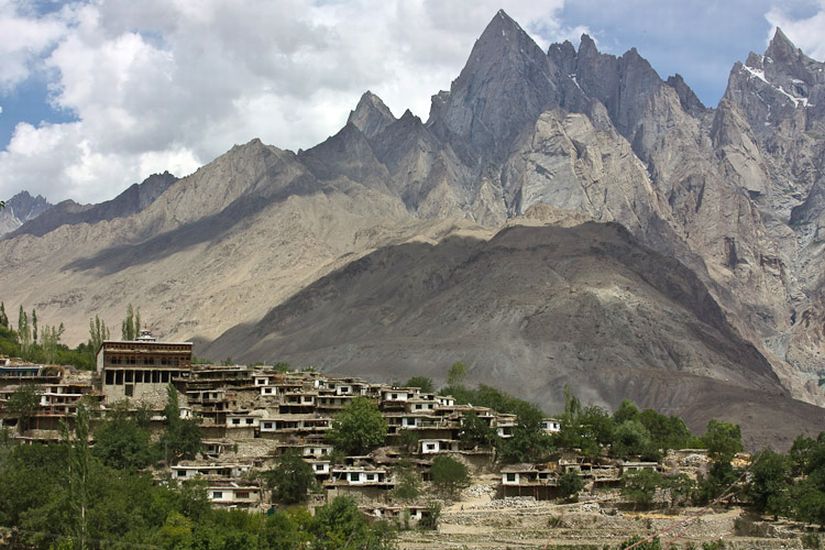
23	403
358	428
407	482
291	479
181	438
449	475
421	382
456	374
639	487
475	432
570	484
122	443
130	327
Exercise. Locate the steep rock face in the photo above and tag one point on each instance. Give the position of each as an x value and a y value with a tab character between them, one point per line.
531	310
133	200
20	209
370	116
506	83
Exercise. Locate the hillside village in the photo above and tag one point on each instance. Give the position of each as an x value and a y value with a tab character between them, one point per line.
250	418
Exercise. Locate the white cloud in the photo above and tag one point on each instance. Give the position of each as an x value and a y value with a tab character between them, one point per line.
171	84
807	33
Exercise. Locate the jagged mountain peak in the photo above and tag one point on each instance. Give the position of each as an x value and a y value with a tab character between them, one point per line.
371	115
781	48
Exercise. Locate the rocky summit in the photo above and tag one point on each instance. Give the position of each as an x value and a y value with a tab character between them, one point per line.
561	217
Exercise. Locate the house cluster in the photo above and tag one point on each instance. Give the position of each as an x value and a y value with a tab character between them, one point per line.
251	415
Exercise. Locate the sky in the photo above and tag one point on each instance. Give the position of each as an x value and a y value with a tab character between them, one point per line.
98	94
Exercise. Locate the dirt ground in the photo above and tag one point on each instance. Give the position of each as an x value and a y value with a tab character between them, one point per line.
477	520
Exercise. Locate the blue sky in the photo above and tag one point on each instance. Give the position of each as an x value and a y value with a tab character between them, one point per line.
98	94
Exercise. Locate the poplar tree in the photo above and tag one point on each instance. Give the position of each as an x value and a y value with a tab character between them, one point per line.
4	319
130	328
98	332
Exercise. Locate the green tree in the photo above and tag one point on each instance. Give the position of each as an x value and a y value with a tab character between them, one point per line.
770	479
475	432
639	487
529	443
456	374
34	326
570	483
408	482
130	327
630	438
449	475
801	453
681	489
50	342
181	438
358	428
4	319
78	472
291	479
723	440
666	432
23	403
627	411
341	526
24	332
98	332
121	443
421	382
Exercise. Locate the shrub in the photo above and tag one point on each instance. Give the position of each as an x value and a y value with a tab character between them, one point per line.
449	475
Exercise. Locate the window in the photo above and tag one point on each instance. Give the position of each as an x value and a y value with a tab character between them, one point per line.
242	494
217	494
130	376
236	421
249	421
319	467
354	476
394	396
370	477
155	377
430	446
419	406
165	377
119	378
129	389
181	473
138	376
511	477
267	425
110	377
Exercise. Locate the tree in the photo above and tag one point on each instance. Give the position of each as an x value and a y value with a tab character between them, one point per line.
98	332
80	462
408	482
291	479
681	489
529	443
449	475
723	440
456	374
340	525
770	478
421	382
4	319
639	487
666	432
627	411
23	403
358	428
24	332
34	326
181	439
569	485
50	342
475	432
121	443
631	438
130	327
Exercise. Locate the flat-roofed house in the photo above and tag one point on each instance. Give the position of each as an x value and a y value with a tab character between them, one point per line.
142	369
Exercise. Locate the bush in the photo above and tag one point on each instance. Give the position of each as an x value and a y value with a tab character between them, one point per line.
449	475
358	428
422	383
430	519
291	479
569	485
640	487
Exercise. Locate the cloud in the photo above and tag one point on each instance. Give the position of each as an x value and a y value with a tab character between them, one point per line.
808	33
171	84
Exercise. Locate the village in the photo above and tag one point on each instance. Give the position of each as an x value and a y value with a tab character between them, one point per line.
250	416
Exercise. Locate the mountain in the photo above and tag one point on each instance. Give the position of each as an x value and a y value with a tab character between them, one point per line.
133	200
532	310
383	244
20	209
